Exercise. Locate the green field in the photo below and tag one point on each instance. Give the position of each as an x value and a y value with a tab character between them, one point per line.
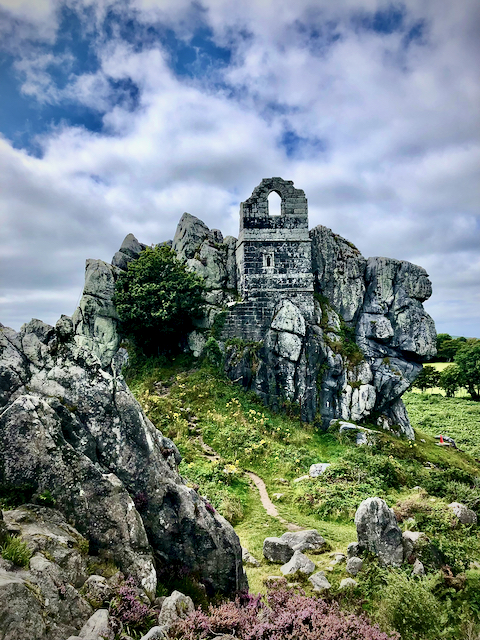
457	417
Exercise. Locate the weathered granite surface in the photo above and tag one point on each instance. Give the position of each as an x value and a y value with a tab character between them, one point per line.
42	600
70	425
378	531
350	351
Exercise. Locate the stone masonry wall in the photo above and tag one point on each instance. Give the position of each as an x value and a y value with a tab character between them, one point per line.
274	258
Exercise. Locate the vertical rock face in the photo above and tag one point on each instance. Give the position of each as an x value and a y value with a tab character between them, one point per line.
70	425
339	270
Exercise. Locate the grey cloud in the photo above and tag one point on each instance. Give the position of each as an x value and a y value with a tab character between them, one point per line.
398	177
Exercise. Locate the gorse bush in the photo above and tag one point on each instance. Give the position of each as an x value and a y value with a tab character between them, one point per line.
283	615
409	606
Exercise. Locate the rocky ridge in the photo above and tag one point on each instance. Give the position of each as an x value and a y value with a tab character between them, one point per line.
70	429
364	348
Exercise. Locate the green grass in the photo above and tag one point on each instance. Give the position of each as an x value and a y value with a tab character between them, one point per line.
17	551
458	418
249	437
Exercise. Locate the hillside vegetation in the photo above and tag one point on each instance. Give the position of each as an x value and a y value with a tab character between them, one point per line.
223	432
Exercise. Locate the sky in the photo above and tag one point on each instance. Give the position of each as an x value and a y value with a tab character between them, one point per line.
118	116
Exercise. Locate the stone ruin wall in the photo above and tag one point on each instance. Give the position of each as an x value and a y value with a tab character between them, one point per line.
273	258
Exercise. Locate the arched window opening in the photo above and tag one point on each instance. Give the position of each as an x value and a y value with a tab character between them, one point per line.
274	204
268	261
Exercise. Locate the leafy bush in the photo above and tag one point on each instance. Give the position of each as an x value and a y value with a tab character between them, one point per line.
157	299
284	615
438	480
409	606
212	354
447	347
16	551
427	378
450	380
336	501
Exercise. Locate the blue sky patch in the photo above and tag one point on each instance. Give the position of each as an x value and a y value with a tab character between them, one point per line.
296	146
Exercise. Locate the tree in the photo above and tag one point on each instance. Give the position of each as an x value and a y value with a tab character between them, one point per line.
427	378
157	300
447	346
450	380
468	362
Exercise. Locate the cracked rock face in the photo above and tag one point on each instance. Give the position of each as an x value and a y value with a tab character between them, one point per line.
378	531
304	358
339	270
70	425
42	601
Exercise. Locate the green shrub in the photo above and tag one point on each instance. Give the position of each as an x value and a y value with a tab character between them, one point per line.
231	508
46	499
450	380
157	299
212	355
438	481
409	606
427	378
467	360
16	551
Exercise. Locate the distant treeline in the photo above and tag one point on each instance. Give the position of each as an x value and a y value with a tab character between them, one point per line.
447	347
465	372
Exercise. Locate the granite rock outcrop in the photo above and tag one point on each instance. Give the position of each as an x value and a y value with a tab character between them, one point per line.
348	354
70	426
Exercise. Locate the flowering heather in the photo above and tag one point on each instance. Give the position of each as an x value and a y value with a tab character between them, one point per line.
284	615
126	606
209	507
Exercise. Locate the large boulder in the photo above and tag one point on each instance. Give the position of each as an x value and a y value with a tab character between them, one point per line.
97	625
42	600
319	581
378	531
46	531
21	611
298	562
277	550
307	540
463	513
174	608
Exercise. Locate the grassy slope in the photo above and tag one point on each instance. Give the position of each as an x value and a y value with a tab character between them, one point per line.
278	448
458	418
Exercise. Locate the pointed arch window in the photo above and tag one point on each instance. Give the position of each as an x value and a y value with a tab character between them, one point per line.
274	204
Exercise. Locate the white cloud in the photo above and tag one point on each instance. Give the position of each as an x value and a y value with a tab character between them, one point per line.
396	175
